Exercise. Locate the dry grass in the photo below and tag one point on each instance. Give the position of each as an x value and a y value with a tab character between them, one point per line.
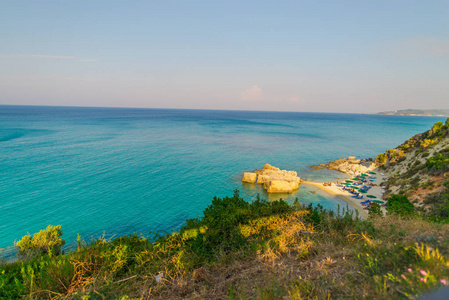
298	256
296	265
415	228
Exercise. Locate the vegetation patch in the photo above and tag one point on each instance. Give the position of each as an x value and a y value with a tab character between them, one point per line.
241	250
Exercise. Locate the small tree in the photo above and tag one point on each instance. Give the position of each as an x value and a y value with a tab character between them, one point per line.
400	205
45	241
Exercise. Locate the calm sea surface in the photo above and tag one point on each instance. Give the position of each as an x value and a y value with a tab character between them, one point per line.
116	171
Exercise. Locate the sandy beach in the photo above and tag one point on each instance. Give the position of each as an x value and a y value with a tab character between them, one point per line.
346	196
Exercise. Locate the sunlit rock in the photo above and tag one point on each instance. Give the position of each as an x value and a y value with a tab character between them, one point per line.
249	177
274	180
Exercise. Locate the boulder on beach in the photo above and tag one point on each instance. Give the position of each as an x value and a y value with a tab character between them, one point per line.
274	180
249	177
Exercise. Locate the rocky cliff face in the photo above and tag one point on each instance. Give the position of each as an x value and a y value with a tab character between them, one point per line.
274	180
417	143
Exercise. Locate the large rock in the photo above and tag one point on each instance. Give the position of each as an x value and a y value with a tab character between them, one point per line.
279	186
351	164
270	167
249	177
274	180
261	179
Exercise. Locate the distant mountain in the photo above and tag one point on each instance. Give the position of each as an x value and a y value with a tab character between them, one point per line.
417	112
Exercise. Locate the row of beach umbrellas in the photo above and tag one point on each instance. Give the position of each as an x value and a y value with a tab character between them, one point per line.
349	183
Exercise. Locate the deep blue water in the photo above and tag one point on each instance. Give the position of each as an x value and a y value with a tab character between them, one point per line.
117	171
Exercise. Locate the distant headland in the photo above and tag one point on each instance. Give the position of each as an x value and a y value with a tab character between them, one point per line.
417	112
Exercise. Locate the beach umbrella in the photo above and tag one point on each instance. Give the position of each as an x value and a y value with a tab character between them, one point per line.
363	191
378	201
363	174
346	183
372	177
371	196
354	187
349	181
358	179
372	172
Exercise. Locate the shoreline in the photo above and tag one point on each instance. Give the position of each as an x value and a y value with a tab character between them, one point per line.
334	191
351	171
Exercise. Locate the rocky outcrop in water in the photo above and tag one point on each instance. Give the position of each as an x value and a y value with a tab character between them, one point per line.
249	177
273	179
351	165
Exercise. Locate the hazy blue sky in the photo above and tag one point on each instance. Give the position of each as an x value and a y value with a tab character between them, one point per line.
344	56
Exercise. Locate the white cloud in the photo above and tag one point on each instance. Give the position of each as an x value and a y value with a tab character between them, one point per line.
252	94
48	57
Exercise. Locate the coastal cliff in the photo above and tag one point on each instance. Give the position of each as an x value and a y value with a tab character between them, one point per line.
419	170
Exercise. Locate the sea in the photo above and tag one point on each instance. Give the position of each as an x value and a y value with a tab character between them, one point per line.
105	172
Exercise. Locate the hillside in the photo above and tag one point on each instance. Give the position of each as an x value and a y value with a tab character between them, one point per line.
419	169
241	250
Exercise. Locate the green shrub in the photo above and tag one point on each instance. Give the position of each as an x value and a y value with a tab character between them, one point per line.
381	158
218	231
436	128
439	162
375	211
400	205
45	241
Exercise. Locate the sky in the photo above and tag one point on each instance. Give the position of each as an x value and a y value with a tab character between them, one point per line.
312	56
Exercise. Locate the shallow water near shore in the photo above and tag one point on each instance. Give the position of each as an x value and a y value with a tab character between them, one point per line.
116	171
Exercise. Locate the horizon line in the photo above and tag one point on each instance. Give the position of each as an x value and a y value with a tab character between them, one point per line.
164	108
242	110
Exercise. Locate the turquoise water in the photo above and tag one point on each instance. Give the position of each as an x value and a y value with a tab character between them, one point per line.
116	171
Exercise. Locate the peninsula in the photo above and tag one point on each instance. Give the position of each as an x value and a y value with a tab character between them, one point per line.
417	112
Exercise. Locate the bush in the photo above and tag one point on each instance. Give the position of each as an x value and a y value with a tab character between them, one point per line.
425	154
400	205
375	211
45	241
436	128
218	231
439	162
380	159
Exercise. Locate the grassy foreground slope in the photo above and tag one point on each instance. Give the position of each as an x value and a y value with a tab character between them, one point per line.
241	250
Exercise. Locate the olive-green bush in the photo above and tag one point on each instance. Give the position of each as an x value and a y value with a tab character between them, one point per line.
45	241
